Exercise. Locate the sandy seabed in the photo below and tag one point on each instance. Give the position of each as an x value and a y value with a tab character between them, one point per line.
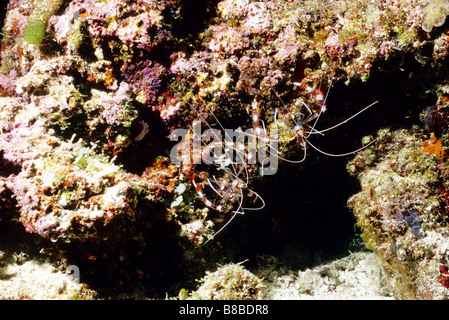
356	276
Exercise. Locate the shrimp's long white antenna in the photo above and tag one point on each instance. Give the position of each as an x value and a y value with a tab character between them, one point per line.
341	154
259	208
208	125
229	221
212	187
350	118
222	128
277	154
327	93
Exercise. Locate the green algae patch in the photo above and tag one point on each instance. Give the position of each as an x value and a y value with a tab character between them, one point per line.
37	23
35	30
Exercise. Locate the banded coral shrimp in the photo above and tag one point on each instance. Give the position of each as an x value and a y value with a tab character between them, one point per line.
224	186
297	122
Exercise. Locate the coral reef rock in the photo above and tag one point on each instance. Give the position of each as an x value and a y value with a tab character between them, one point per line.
402	209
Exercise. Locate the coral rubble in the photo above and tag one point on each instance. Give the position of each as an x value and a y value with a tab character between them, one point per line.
230	282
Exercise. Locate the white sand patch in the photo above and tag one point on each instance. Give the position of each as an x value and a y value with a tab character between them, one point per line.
357	276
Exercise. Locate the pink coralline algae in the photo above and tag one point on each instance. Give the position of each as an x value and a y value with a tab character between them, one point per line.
64	191
7	82
113	107
145	79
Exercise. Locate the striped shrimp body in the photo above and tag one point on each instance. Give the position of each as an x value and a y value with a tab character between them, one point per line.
227	194
292	123
224	187
227	189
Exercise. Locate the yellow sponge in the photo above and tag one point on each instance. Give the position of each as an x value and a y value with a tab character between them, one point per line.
435	12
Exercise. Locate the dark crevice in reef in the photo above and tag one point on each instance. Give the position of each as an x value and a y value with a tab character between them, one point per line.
195	15
137	157
7	201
